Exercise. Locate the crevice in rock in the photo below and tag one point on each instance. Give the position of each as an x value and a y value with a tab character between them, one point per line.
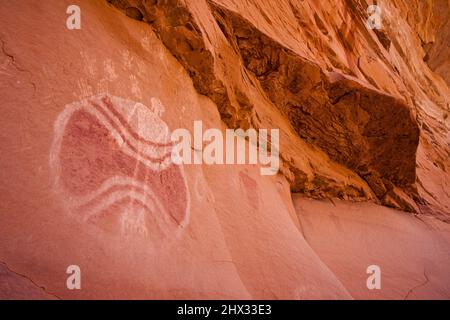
418	286
16	65
134	13
29	279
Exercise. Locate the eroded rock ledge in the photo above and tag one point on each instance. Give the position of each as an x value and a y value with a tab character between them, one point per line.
368	131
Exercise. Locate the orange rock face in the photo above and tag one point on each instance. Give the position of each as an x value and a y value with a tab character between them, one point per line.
88	177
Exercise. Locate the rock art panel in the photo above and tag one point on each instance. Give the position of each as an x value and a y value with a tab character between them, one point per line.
111	165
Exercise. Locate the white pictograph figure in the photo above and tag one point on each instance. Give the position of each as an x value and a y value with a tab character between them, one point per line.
111	164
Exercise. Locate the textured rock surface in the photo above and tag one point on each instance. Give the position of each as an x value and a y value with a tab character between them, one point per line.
412	253
364	124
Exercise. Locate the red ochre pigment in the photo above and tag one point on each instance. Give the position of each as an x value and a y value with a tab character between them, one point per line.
90	155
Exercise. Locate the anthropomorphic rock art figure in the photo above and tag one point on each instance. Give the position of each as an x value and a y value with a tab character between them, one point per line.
111	164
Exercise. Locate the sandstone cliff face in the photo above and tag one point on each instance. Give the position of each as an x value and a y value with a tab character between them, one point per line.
356	94
364	125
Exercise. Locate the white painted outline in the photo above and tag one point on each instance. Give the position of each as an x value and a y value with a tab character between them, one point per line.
73	202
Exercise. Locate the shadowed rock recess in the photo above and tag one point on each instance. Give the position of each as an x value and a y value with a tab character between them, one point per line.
88	180
369	131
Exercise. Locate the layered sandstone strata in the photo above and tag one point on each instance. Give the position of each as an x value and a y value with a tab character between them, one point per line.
364	145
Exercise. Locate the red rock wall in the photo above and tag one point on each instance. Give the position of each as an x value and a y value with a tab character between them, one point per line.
86	120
